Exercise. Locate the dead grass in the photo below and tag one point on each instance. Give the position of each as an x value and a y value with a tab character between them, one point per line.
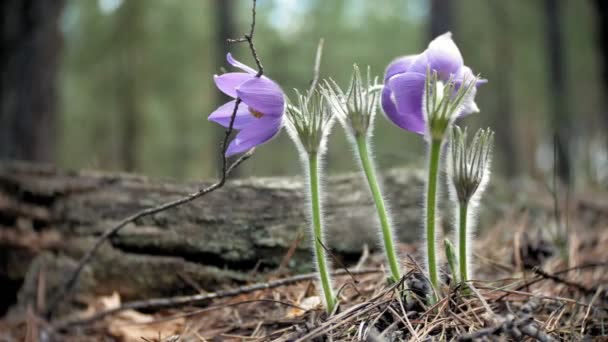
531	290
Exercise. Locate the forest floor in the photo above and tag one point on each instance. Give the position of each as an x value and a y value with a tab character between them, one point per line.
536	282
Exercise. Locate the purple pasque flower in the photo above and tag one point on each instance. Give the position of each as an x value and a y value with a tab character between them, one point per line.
404	83
259	116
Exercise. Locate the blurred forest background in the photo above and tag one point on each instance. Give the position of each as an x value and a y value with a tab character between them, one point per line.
126	85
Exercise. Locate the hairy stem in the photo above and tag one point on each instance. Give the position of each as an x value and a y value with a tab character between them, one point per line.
462	243
387	234
317	232
431	206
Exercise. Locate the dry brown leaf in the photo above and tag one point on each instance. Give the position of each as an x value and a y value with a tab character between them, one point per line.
307	304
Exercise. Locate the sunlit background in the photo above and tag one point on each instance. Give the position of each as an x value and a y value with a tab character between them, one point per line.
135	79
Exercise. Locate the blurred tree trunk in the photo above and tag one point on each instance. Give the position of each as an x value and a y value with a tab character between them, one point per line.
129	32
441	17
30	48
502	82
602	40
557	88
225	29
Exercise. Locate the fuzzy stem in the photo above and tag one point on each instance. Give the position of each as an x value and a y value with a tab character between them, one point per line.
462	244
431	205
317	232
370	174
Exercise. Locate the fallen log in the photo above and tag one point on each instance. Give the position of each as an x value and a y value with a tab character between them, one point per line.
217	239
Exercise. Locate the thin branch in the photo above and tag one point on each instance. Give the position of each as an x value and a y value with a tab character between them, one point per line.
560	280
181	301
338	261
224	173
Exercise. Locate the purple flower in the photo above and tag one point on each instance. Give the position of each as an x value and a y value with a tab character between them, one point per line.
404	83
260	114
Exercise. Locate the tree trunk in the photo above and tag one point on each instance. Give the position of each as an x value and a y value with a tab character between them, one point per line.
441	17
602	41
127	82
225	29
503	82
558	107
30	45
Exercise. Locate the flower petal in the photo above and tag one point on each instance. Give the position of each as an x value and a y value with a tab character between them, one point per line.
408	91
468	103
223	114
255	134
388	105
263	95
465	76
399	66
239	65
441	56
228	82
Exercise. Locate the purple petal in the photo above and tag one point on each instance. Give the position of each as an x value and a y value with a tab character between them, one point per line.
262	95
239	65
408	90
255	134
441	56
388	105
468	104
398	66
223	114
228	82
465	76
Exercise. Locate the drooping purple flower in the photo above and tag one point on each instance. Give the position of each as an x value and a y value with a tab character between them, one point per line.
260	114
404	83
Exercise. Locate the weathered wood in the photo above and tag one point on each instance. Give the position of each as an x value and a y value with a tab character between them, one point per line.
216	239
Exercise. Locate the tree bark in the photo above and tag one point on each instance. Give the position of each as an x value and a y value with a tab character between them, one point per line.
30	45
128	70
558	107
441	17
602	41
225	29
50	217
503	83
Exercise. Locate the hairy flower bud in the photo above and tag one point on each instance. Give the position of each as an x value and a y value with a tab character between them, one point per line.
309	122
469	162
355	107
443	102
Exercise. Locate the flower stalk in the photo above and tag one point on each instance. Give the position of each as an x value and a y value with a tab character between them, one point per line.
356	110
313	171
309	124
387	234
431	206
462	240
442	105
469	172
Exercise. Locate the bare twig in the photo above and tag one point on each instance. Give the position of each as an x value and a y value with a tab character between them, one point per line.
560	280
180	301
338	261
566	270
224	173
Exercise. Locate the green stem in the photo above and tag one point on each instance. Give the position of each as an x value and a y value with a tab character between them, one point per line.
370	174
317	232
462	244
431	205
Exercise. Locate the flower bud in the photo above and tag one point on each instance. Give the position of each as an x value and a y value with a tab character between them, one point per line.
355	108
469	162
309	122
443	102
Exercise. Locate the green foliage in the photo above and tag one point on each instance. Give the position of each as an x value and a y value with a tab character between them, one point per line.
156	59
